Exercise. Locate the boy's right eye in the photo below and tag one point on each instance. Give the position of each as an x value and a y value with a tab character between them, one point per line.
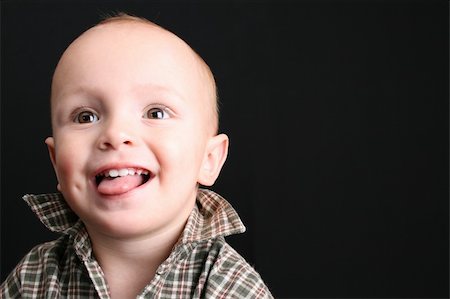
86	117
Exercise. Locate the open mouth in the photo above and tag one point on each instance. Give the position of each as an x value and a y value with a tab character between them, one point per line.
117	181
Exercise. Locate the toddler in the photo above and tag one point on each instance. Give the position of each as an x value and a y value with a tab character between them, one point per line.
134	122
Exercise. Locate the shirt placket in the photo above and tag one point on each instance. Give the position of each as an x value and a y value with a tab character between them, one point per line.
83	250
98	278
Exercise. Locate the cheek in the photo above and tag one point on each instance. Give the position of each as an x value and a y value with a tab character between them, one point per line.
181	155
69	160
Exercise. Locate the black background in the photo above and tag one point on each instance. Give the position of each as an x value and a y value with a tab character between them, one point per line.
337	112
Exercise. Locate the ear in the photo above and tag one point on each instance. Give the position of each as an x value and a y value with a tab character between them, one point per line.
50	141
215	155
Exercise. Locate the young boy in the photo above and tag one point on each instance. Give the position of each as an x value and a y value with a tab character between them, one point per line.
134	120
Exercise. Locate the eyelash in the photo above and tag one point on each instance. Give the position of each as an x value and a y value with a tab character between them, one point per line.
157	109
77	115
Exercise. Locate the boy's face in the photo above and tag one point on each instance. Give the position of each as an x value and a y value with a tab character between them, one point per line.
132	101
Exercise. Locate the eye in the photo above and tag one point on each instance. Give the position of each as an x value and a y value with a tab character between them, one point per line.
86	117
156	113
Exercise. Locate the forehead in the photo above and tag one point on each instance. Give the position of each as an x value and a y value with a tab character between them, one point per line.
128	48
138	51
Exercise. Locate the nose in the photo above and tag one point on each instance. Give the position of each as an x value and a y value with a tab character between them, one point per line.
115	134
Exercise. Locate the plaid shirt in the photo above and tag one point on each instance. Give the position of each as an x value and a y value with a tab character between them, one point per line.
201	264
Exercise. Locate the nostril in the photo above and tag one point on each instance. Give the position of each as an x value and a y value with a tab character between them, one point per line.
114	139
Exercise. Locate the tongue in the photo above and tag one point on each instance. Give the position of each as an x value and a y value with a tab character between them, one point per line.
119	185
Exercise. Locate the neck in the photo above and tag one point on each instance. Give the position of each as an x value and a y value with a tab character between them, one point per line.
129	264
141	251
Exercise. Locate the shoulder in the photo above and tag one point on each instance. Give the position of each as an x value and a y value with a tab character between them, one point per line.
46	254
231	276
36	266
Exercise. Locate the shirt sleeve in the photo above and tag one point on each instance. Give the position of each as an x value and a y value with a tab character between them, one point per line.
26	280
10	288
13	284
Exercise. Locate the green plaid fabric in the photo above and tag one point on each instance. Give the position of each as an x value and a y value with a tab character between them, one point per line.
201	265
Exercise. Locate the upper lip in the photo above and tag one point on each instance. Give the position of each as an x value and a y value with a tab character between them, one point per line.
101	170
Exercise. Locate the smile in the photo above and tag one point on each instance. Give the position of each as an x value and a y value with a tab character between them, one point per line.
121	180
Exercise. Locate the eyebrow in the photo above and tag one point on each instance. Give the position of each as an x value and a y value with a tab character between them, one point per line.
159	89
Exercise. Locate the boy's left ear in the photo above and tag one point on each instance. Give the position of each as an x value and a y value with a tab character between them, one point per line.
215	156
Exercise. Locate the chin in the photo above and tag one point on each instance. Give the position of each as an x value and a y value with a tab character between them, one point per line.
117	226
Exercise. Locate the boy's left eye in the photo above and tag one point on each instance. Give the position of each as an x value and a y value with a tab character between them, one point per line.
156	113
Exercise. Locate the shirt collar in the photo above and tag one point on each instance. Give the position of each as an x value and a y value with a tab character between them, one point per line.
211	217
53	211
